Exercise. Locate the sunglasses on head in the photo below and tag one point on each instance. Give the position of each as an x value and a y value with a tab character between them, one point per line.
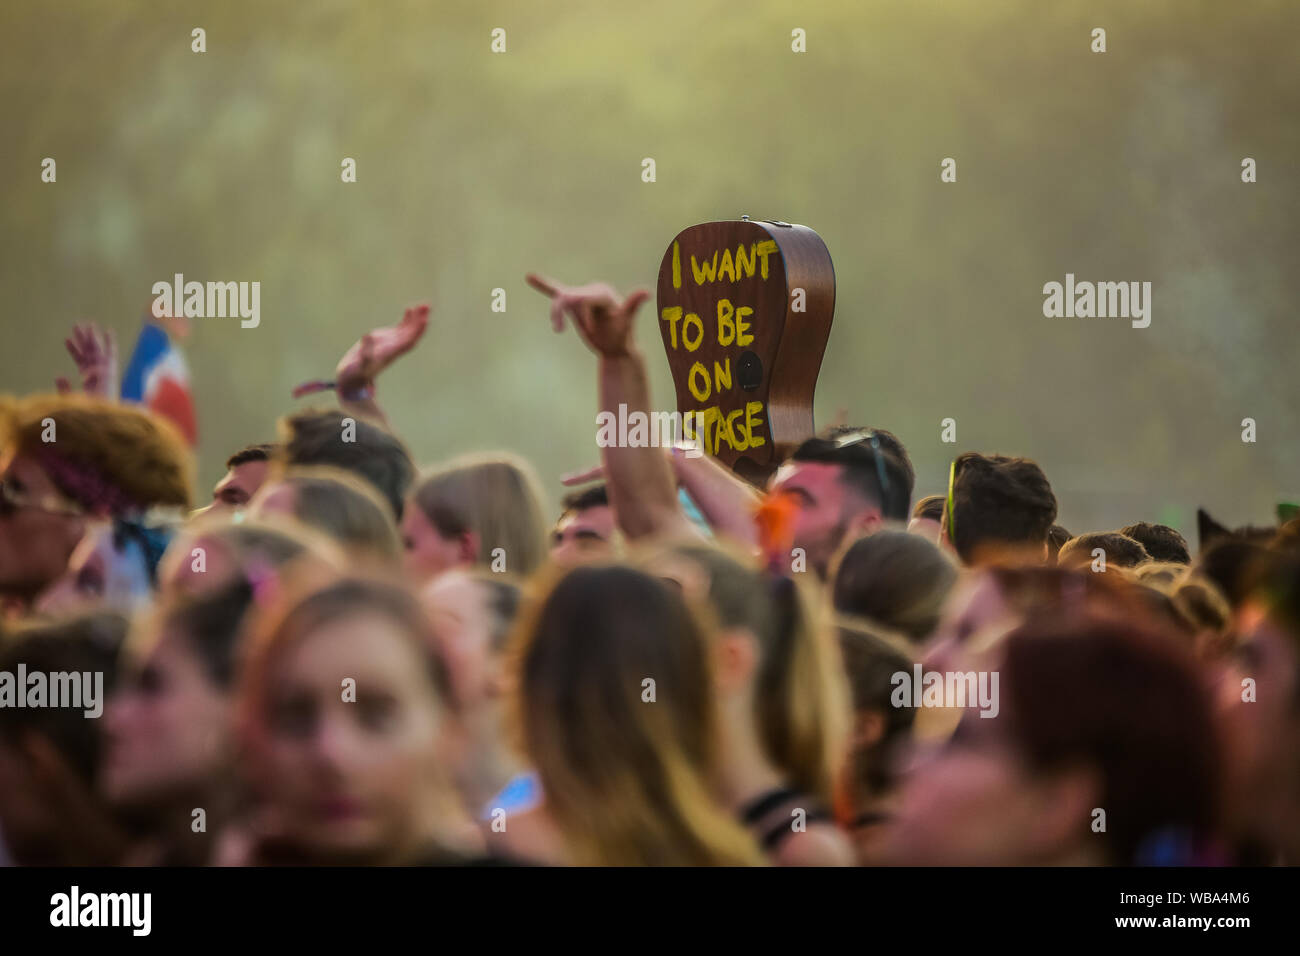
877	455
12	501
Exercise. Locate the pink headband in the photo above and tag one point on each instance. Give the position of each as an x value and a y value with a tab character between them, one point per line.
85	485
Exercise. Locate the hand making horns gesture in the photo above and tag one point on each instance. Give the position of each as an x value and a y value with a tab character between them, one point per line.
601	316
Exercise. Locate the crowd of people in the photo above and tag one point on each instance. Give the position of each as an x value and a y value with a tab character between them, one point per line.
344	659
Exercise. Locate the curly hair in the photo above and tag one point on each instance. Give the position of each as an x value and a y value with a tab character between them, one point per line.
109	458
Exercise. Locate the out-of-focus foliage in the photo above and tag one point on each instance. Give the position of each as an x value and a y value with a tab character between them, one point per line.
474	168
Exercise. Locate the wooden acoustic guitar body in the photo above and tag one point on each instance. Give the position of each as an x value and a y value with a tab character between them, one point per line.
745	310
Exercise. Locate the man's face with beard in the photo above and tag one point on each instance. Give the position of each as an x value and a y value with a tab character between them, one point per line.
827	511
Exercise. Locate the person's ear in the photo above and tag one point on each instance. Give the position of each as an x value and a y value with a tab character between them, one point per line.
738	656
868	729
865	522
467	547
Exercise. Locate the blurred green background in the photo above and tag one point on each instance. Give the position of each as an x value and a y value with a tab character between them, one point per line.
475	167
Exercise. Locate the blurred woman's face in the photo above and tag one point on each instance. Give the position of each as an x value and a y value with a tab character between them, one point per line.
167	728
426	553
462	627
969	802
350	774
974	608
196	565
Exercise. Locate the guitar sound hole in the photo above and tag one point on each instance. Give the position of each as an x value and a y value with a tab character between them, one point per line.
749	370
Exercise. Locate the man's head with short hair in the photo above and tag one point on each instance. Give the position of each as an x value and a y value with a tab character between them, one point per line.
328	437
1121	551
586	528
927	517
846	483
999	504
1162	542
246	470
929	508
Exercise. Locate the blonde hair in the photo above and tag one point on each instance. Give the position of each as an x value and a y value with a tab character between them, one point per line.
497	498
626	779
801	695
344	507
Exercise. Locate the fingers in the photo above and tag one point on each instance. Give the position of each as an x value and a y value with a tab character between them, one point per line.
584	320
414	322
561	299
586	305
634	301
62	385
416	315
308	388
546	287
582	477
559	303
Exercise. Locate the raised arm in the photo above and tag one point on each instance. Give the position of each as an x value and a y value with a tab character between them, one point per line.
727	502
95	352
355	375
640	480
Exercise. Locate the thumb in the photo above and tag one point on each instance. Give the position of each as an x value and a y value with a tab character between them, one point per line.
635	301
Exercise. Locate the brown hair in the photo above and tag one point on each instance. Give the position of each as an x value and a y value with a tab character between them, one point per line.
626	778
1162	542
498	498
898	579
315	437
801	698
87	643
1128	702
871	659
137	459
1121	551
929	508
998	501
344	507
